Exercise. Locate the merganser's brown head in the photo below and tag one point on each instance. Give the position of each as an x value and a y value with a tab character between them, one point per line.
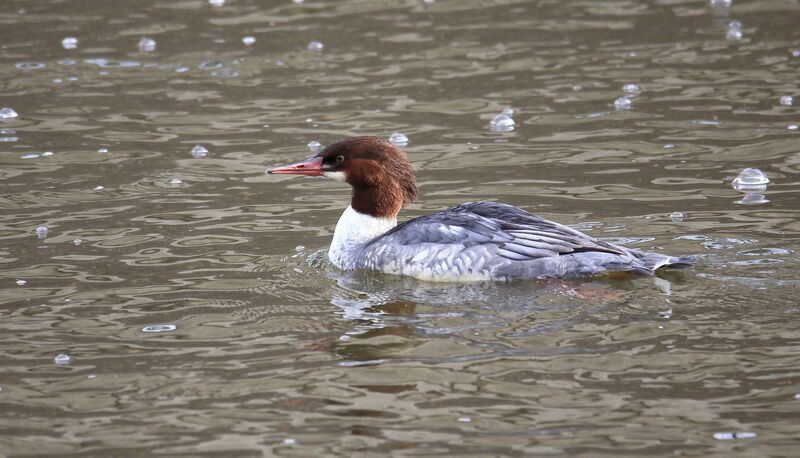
379	172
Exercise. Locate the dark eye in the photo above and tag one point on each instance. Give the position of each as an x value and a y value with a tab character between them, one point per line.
340	159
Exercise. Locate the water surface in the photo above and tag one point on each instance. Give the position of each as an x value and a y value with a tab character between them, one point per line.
269	350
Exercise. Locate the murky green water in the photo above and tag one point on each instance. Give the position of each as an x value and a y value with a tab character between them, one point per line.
275	352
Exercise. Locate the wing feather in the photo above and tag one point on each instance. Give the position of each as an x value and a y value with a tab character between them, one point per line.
507	231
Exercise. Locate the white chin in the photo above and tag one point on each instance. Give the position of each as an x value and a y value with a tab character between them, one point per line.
338	176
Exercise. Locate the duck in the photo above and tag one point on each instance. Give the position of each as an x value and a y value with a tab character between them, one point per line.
474	241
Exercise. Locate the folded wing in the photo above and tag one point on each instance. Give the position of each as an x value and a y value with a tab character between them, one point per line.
481	239
515	233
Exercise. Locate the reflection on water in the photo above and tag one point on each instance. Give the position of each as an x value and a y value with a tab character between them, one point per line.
190	293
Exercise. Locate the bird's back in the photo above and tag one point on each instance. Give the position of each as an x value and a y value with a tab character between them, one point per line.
492	241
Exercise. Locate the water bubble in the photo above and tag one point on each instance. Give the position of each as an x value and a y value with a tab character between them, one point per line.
502	123
631	88
797	397
91	376
99	188
109	63
7	131
669	145
793	127
795	52
734	31
508	111
29	65
69	43
314	146
47	154
62	358
7	114
216	2
733	34
159	328
41	232
787	100
398	139
725	436
175	182
577	87
147	45
315	46
677	216
289	440
102	150
297	2
750	179
181	69
248	41
720	3
623	103
753	183
77	242
21	282
464	419
199	151
29	156
752	198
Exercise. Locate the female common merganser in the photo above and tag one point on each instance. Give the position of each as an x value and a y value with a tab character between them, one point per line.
470	242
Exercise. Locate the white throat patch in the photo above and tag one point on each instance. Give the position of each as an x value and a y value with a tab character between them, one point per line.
352	231
338	176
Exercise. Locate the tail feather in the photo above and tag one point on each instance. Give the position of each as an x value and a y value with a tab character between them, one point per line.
628	267
656	261
681	262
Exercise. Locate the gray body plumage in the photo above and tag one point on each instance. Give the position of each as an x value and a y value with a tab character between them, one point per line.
493	241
